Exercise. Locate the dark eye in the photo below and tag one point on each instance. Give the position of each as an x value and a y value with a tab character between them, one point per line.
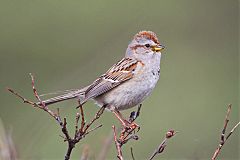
147	45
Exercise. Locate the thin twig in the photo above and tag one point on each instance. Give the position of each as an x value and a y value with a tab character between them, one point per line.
97	116
223	139
23	99
132	153
93	129
129	137
127	133
82	115
76	124
79	133
64	129
233	129
162	145
35	91
118	145
33	104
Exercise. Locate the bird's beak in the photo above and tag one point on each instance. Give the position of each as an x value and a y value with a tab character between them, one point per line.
158	48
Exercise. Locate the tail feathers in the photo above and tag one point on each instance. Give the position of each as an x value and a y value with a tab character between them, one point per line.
67	96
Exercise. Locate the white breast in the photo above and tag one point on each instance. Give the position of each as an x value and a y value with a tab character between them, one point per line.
135	90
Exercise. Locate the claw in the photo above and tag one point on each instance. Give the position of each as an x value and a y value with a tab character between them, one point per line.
134	125
128	126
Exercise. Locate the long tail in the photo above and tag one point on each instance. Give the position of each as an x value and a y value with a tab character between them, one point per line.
67	96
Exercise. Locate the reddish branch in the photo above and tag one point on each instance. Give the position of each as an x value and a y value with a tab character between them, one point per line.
118	144
223	139
127	134
80	133
163	145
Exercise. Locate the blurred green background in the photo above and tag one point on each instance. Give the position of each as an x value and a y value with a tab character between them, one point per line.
67	44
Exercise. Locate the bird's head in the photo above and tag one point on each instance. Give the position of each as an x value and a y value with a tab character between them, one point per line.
145	44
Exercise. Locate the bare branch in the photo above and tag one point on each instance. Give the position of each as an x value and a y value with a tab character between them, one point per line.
127	133
82	115
97	116
233	129
33	103
23	99
163	145
132	154
223	139
79	133
76	124
118	145
35	91
93	129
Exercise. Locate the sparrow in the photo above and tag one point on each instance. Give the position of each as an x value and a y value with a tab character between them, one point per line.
128	82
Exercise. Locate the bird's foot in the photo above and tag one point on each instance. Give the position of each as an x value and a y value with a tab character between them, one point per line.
129	128
130	125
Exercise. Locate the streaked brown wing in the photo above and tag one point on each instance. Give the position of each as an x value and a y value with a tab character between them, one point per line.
117	74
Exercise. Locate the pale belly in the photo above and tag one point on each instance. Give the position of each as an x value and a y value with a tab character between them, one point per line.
129	93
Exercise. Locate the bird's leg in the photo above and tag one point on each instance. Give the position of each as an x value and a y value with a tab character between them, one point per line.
129	127
125	123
